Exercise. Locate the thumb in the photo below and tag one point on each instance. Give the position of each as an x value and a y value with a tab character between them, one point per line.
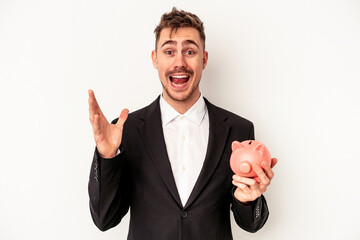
123	116
273	162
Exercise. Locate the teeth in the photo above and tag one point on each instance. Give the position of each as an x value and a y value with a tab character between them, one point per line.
183	76
180	84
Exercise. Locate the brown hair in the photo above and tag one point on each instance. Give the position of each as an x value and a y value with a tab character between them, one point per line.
180	19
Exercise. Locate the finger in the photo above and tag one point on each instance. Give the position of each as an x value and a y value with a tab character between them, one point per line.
273	162
261	175
93	103
96	125
249	193
243	187
123	116
93	108
244	180
268	170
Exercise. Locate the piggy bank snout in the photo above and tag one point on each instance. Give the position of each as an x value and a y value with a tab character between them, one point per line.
245	167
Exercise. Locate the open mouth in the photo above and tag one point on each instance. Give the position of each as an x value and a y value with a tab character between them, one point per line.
179	80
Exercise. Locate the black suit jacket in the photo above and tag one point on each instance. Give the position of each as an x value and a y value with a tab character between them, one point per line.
141	178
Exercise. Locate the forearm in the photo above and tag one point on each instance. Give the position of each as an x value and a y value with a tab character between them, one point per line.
252	216
108	191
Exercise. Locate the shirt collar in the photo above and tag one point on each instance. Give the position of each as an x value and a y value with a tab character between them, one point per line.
195	114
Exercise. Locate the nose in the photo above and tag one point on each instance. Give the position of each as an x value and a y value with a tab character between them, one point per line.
179	61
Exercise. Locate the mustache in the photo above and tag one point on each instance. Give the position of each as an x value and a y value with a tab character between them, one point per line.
182	70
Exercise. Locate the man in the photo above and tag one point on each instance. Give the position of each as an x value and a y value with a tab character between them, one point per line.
169	162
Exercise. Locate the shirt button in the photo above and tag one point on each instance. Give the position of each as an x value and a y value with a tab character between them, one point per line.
184	214
182	118
183	138
183	168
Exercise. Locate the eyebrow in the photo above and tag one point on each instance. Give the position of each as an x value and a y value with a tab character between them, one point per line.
186	42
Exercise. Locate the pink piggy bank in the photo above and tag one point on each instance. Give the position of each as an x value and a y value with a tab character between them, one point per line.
247	154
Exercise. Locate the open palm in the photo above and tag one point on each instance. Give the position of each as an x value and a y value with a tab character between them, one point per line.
107	136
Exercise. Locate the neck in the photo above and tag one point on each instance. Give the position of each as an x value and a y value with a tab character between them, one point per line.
184	105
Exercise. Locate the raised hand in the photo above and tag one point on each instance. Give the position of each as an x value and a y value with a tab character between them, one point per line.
107	136
248	189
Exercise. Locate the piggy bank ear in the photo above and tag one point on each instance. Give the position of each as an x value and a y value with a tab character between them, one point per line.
236	145
260	149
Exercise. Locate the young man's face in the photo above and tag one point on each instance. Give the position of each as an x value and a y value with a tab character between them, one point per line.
180	59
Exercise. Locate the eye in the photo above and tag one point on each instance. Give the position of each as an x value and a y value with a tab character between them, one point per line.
189	52
168	52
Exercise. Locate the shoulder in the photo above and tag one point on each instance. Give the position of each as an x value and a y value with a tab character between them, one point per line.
231	118
229	115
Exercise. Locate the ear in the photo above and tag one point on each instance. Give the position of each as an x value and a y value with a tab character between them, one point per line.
260	148
205	59
236	145
154	58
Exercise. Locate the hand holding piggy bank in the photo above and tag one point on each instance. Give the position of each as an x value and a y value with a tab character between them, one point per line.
247	154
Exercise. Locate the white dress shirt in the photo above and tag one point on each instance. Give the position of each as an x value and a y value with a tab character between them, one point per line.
186	138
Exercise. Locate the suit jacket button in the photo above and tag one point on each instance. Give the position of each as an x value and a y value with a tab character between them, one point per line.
184	214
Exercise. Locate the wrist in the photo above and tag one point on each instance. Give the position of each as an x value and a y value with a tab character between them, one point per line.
238	195
107	155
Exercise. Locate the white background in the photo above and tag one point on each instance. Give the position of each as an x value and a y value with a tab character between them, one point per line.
291	67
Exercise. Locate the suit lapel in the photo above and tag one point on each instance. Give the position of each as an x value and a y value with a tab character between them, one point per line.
152	133
218	133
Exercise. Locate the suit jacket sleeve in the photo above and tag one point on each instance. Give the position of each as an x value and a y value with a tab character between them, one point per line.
250	217
108	190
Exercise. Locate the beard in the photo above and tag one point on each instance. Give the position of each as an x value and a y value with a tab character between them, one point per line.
184	98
